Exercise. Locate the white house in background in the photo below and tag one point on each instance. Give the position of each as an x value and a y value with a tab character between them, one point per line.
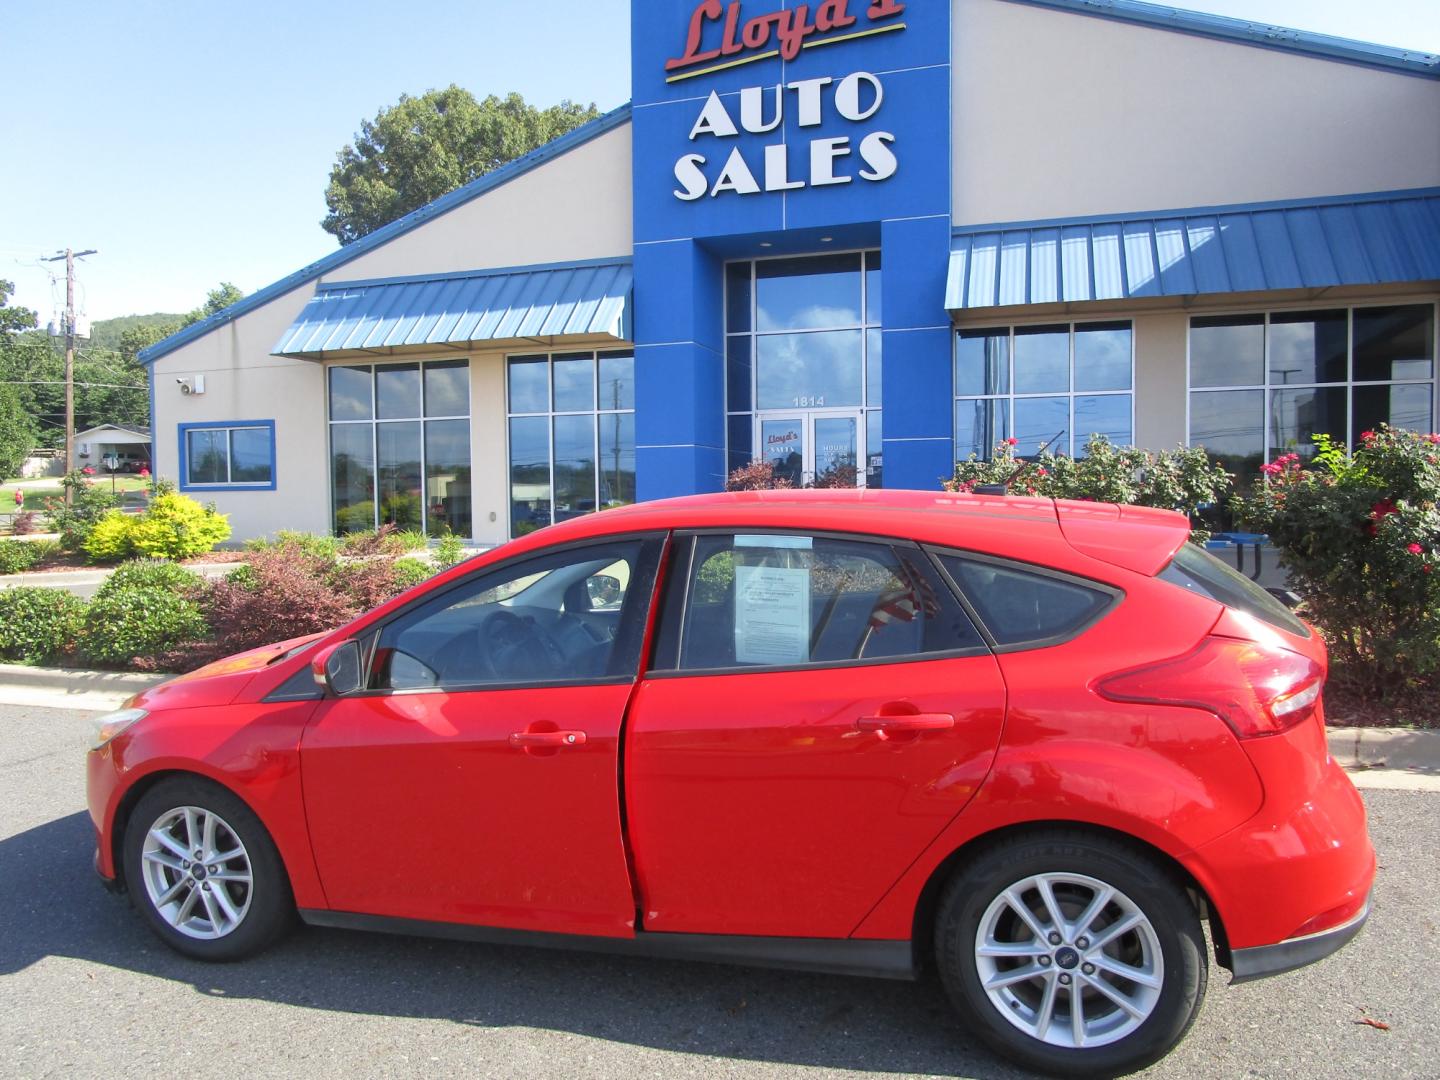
129	443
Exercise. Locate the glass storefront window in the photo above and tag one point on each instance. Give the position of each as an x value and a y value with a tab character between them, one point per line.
572	436
803	335
1265	384
1070	381
391	462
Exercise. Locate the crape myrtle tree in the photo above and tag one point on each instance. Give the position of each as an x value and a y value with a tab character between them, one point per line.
422	147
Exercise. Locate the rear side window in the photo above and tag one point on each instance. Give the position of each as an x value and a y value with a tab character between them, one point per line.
772	600
1022	607
1199	571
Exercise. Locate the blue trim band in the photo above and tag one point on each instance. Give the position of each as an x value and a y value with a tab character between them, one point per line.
461	195
1262	35
183	469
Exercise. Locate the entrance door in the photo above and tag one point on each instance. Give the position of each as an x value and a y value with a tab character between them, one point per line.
811	448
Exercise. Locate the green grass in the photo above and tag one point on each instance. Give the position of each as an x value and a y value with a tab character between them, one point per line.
35	497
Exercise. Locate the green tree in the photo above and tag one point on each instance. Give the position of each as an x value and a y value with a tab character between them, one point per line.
419	149
17	434
218	299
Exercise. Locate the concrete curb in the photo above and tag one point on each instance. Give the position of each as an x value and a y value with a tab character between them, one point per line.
63	688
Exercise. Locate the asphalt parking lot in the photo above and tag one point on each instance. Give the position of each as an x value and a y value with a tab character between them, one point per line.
85	990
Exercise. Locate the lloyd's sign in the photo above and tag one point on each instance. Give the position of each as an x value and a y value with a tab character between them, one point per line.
717	165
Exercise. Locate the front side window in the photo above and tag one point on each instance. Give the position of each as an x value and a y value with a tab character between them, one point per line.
1048	386
767	600
239	455
400	446
573	616
1265	384
572	436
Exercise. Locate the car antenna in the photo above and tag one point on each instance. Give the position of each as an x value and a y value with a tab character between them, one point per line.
1003	488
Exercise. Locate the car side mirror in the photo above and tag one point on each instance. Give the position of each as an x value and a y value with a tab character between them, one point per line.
603	588
337	668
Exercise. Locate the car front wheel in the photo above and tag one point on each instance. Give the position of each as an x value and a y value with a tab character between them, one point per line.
1072	954
203	871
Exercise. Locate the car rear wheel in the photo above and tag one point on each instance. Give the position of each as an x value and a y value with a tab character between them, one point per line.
1072	954
204	872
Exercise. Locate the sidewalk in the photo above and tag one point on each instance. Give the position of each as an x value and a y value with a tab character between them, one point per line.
1396	758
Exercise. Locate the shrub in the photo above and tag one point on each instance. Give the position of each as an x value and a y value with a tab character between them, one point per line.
309	543
111	538
24	523
357	518
757	476
283	593
88	504
1360	536
132	622
411	572
152	574
1183	479
17	556
38	625
385	540
178	527
449	551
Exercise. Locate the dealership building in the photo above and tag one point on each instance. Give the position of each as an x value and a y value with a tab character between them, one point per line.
861	239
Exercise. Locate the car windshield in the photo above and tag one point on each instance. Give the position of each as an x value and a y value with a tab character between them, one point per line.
1200	572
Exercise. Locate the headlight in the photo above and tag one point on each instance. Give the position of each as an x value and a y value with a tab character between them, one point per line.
112	724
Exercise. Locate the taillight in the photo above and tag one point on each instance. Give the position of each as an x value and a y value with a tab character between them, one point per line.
1256	689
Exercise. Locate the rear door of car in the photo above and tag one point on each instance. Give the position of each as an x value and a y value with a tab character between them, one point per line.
818	709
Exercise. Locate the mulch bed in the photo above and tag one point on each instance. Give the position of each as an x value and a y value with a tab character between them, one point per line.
1348	706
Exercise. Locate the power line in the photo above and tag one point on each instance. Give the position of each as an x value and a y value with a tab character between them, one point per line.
70	255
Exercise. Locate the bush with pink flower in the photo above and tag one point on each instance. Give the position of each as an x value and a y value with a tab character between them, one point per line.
1359	533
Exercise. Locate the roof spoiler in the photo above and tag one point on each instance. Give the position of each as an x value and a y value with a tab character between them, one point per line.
1135	538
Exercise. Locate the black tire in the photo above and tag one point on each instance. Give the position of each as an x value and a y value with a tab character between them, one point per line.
265	906
1152	888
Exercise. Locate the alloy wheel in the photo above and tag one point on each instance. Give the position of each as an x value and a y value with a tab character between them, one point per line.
197	872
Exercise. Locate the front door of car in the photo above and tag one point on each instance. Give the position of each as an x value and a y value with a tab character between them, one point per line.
474	779
820	709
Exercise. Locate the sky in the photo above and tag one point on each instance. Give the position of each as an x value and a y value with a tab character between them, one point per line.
192	145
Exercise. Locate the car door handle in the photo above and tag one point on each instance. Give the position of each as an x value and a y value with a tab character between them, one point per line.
925	721
533	740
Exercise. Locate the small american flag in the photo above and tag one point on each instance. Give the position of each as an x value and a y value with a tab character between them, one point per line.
907	603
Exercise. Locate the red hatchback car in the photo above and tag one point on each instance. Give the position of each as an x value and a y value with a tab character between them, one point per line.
1032	745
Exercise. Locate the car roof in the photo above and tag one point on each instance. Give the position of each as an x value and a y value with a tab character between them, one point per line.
1031	529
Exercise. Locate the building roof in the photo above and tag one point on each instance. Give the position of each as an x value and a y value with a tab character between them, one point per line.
1381	238
518	303
461	195
131	429
1264	35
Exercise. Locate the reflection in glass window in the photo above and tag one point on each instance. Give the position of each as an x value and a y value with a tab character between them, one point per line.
804	371
814	342
1230	425
574	453
811	293
1307	347
1336	372
229	456
1227	350
1048	386
401	467
1042	360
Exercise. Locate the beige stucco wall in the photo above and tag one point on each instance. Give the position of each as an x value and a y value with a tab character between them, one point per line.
574	207
1059	114
546	215
244	382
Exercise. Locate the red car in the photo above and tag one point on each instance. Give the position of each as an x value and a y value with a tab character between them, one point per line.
1032	745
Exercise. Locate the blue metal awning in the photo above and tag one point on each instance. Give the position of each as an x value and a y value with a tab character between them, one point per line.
1355	240
535	305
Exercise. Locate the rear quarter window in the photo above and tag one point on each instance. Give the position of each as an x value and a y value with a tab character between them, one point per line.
1198	571
1026	607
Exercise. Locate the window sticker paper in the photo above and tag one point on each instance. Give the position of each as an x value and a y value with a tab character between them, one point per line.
772	615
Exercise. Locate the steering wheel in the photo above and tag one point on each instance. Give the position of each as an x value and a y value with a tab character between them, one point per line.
516	645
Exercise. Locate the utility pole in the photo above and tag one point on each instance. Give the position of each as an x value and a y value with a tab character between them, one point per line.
69	256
